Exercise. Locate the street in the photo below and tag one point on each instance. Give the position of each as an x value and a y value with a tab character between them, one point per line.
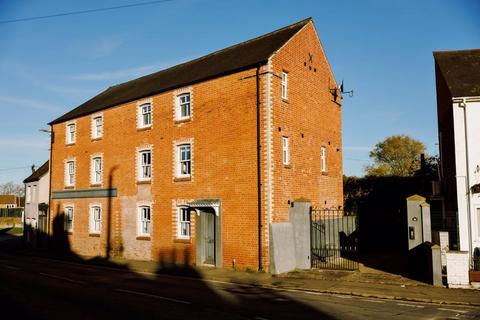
41	288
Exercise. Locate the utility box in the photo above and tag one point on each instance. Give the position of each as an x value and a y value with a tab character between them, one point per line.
418	221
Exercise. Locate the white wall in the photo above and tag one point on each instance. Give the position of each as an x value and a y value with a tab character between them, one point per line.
41	195
464	182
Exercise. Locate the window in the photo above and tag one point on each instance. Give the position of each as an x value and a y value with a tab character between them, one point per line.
70	134
284	85
34	193
97	127
145	165
184	165
145	114
285	151
144	220
184	223
95	219
28	195
68	219
96	167
323	158
70	173
183	106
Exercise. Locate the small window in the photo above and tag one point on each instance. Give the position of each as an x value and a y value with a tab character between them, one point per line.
323	159
184	223
71	133
34	193
95	219
68	219
285	151
96	167
97	127
183	106
145	113
144	220
145	165
28	195
284	85
70	173
184	165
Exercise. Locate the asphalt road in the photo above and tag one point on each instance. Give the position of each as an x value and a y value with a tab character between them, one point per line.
40	288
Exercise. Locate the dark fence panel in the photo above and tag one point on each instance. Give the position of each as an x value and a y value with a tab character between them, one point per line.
11	212
334	239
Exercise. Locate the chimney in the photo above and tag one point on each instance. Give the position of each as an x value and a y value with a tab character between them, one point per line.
33	168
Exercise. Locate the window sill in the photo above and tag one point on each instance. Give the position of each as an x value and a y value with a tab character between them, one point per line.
69	233
144	181
70	144
144	128
179	121
181	179
143	238
285	100
287	166
179	240
69	187
94	235
95	185
97	139
324	173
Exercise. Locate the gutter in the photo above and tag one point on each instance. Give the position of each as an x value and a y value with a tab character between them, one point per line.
259	173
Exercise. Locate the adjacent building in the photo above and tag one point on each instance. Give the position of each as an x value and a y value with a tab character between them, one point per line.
10	201
37	197
458	108
191	164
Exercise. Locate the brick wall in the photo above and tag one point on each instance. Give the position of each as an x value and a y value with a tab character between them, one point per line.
222	131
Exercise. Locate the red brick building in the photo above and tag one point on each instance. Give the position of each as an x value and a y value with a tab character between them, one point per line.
195	161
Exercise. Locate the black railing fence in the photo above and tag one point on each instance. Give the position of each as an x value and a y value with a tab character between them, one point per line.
334	239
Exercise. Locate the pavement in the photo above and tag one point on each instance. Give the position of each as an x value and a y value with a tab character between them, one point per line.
367	283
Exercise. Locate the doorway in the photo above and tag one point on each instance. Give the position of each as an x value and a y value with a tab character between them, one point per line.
208	243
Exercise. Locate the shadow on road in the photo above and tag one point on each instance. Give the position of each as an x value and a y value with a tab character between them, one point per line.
140	295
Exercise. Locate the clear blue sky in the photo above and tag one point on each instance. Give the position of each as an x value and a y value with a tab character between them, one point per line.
382	49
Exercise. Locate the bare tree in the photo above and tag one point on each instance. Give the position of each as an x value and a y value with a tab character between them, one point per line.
12	188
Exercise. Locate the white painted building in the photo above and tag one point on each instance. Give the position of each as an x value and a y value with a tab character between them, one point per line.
458	107
37	190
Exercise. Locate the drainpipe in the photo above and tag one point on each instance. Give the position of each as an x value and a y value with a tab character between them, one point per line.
463	105
259	174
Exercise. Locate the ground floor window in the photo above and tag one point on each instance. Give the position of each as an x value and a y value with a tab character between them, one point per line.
144	220
95	219
184	223
68	219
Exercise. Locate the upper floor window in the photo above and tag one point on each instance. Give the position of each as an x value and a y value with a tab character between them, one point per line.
95	219
285	151
184	164
68	218
145	165
70	173
97	127
28	194
71	133
183	106
34	193
145	115
183	223
96	170
284	85
323	159
144	220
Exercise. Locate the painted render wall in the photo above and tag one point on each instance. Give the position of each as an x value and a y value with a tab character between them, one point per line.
473	137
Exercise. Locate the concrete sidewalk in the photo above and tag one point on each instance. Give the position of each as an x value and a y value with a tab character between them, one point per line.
364	284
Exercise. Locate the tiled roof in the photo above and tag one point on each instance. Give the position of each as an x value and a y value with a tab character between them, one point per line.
226	61
461	71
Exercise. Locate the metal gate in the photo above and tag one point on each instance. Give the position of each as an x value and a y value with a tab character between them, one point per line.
334	239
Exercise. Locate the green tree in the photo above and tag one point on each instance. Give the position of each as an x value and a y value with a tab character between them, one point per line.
398	155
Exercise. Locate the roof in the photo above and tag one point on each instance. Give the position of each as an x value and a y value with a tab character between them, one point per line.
226	61
8	199
37	174
461	70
